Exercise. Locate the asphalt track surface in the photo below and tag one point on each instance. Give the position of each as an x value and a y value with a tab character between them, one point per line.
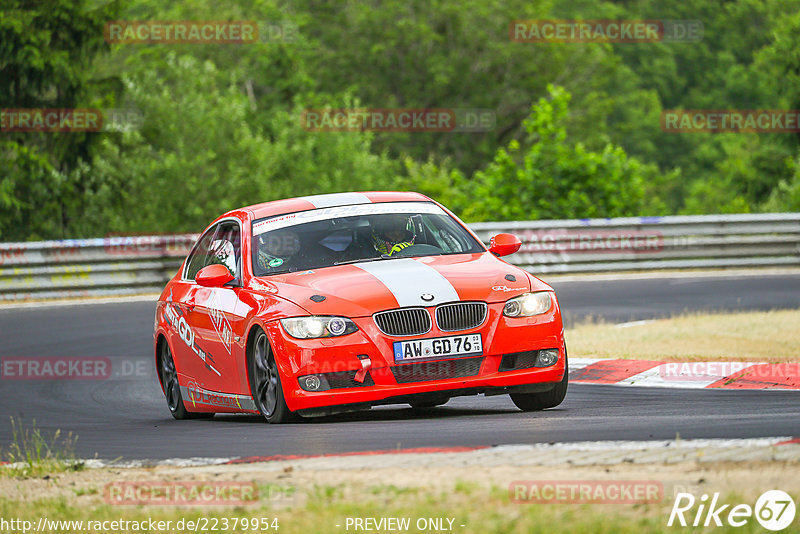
126	416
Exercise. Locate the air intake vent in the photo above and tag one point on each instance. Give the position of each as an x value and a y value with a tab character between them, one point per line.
347	379
404	322
439	370
460	316
519	360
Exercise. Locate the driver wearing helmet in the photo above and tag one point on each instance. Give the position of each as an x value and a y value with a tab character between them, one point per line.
391	234
276	247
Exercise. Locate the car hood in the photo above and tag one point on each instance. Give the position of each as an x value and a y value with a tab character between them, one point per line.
358	290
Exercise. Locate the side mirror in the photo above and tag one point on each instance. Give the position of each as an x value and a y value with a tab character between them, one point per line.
216	275
504	244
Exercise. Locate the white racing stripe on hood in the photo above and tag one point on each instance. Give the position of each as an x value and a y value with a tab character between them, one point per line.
409	279
337	199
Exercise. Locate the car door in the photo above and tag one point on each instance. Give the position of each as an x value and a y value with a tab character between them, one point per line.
193	361
214	317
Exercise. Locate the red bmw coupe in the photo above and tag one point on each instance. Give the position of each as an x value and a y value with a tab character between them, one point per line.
330	303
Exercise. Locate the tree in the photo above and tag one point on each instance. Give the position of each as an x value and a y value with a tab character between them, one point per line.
553	178
201	152
46	50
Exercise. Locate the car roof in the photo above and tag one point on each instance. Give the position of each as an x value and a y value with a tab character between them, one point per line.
291	205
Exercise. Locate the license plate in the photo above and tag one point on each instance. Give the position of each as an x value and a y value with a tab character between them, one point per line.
440	347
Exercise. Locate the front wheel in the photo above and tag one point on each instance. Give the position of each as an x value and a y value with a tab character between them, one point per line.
531	402
265	382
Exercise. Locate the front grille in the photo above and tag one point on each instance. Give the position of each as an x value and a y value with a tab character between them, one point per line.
439	370
404	322
460	316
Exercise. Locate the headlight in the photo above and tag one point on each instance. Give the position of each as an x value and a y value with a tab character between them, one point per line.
528	304
315	326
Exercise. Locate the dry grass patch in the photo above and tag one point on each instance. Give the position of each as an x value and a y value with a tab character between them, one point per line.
474	496
772	336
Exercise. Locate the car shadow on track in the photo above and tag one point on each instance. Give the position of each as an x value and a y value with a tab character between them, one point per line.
379	414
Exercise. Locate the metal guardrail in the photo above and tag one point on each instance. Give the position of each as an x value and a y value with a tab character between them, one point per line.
141	264
653	243
119	265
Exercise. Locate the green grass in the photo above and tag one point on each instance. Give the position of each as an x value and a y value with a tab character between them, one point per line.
391	490
466	487
32	454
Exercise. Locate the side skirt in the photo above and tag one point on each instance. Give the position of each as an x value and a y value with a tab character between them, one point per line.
195	396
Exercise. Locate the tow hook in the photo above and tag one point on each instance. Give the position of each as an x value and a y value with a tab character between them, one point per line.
361	374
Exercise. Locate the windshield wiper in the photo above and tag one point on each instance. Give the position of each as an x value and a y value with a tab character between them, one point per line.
359	260
425	255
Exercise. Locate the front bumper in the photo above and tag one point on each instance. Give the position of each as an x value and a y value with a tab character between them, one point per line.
386	382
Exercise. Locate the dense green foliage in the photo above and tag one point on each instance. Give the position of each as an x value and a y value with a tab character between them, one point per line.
577	129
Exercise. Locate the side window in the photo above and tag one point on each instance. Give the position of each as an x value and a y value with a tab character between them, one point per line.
226	248
197	260
448	237
222	245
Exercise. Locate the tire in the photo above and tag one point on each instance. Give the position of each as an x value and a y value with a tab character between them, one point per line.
532	402
172	388
265	382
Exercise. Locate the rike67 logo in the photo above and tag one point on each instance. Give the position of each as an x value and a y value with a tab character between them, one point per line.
774	510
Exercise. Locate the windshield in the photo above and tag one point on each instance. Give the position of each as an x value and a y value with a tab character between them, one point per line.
350	234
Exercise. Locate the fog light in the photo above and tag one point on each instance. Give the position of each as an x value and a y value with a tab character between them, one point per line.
312	383
547	357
